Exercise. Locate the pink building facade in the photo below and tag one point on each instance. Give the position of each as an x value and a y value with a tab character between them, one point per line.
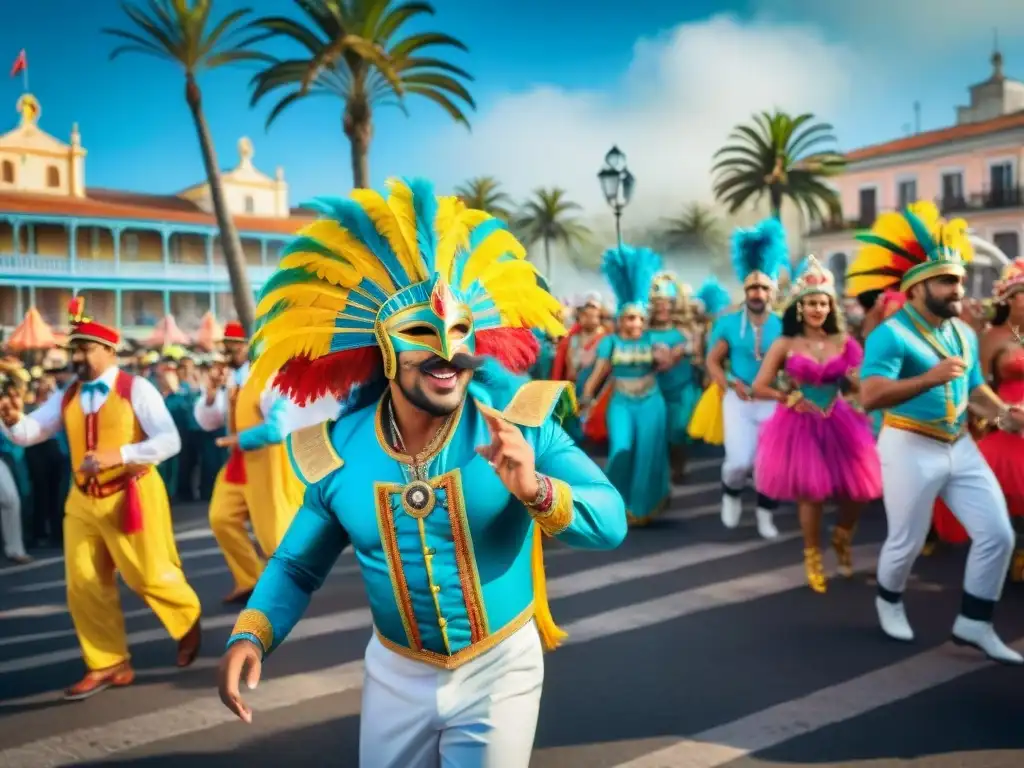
972	170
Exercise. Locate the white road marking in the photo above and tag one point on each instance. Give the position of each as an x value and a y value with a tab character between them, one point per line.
828	706
571	584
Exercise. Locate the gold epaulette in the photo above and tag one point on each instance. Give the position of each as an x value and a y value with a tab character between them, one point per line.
534	402
312	454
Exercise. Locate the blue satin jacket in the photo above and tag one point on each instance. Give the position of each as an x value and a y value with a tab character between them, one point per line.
448	582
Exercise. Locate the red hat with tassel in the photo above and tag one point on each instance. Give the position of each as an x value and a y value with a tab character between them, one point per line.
86	329
234	331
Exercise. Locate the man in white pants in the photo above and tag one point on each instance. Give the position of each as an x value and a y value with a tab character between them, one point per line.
739	339
921	367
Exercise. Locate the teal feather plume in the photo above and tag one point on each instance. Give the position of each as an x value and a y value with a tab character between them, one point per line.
629	272
713	296
760	249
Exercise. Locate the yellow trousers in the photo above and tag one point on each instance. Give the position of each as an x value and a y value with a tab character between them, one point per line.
234	504
148	562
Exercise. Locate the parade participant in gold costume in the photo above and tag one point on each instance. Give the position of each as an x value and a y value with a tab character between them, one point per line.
256	485
117	516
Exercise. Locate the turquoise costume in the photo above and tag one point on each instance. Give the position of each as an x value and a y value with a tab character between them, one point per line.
449	574
680	385
747	342
638	459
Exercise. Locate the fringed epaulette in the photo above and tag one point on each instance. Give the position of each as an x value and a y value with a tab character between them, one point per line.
537	401
312	453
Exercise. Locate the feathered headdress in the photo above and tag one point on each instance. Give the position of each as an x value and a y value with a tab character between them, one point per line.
760	253
812	277
377	276
665	285
713	296
906	247
1011	281
630	272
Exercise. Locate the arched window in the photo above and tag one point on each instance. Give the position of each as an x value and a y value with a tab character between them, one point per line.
7	172
53	177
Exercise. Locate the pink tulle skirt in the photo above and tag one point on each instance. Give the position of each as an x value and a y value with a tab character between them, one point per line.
809	457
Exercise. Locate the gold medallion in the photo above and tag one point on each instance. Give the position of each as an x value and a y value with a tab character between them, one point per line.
418	499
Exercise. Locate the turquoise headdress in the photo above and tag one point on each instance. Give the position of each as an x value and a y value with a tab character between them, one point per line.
760	253
713	296
630	272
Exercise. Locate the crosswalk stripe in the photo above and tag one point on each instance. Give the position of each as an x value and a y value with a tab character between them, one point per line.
571	584
828	706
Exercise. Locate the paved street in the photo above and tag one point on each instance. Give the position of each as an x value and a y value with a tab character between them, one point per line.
690	646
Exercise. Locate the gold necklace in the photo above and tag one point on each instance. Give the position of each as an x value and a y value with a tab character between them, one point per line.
418	495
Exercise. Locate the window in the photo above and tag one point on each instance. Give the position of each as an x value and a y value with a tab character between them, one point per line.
53	177
250	204
7	172
952	191
131	245
837	265
1001	184
906	193
1008	243
868	206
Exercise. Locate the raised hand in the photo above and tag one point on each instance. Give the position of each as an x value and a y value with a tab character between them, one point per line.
512	458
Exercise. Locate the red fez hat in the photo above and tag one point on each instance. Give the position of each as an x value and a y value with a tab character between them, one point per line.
234	331
86	329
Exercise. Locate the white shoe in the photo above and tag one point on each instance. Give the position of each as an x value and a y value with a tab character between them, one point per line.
732	510
893	618
766	524
981	635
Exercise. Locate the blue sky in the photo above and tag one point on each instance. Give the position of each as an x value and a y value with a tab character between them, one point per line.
556	83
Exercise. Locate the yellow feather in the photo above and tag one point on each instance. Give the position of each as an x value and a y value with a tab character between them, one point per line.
400	203
336	272
308	342
295	317
456	238
487	253
386	222
339	240
305	295
855	286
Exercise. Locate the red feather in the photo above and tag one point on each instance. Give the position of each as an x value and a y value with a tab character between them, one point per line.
304	380
515	348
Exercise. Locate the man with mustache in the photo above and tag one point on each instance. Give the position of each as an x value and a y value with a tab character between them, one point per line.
921	368
442	474
117	516
740	339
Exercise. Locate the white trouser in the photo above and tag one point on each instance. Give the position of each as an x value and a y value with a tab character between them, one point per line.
743	420
916	470
10	513
481	715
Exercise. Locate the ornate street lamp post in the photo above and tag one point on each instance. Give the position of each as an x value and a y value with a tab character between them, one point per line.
617	184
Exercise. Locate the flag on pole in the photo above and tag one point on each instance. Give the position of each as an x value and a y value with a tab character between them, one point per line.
20	67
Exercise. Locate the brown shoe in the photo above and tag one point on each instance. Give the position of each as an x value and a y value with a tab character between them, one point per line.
99	680
188	646
238	596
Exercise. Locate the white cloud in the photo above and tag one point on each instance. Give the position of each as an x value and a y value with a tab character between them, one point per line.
669	113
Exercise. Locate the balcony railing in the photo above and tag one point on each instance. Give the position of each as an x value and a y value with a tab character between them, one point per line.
52	266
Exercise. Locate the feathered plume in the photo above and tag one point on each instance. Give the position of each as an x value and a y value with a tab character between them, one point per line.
713	296
907	244
629	272
760	249
317	317
76	310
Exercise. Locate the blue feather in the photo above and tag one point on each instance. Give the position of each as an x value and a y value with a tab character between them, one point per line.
424	203
630	272
713	296
760	249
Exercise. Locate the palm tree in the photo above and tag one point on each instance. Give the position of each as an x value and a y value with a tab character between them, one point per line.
484	193
549	217
696	228
181	32
785	157
352	51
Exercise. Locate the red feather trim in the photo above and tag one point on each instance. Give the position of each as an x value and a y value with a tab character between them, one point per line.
515	348
891	301
304	380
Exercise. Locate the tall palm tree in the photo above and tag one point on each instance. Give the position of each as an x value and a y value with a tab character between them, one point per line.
696	228
351	49
484	193
181	32
784	157
549	217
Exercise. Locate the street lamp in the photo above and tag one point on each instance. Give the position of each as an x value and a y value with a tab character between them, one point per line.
617	184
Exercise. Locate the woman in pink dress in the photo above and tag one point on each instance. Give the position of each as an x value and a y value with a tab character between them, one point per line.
816	447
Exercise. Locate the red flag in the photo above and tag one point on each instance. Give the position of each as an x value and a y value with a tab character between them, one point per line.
20	64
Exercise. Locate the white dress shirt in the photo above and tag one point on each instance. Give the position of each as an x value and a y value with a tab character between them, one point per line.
162	438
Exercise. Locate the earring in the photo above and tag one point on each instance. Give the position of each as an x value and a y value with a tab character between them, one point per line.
800	313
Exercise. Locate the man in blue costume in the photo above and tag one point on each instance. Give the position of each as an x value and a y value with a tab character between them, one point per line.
398	308
921	368
740	339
